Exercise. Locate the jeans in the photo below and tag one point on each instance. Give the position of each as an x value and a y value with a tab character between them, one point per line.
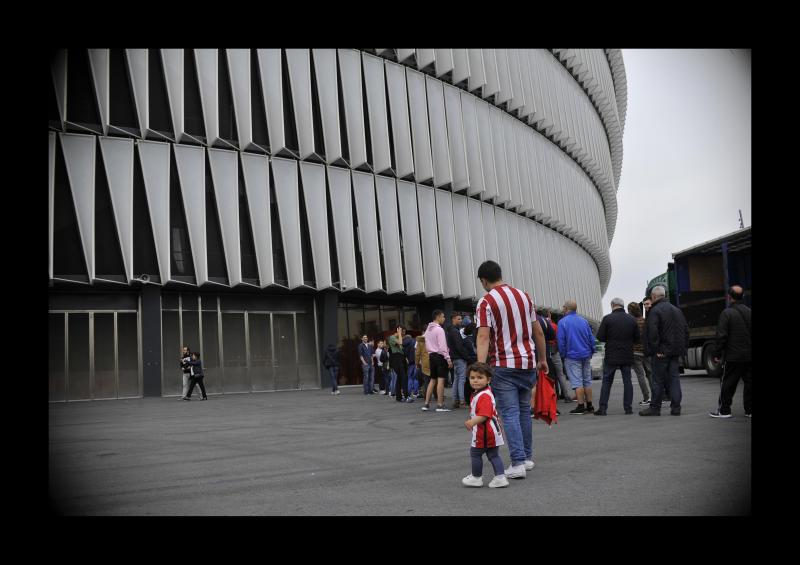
392	378
579	372
492	454
413	383
665	370
733	371
512	392
638	366
608	379
334	373
368	373
460	368
555	358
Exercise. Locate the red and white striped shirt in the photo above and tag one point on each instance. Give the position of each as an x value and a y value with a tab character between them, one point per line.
508	312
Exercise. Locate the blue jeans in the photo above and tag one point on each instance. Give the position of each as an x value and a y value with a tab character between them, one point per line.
392	382
512	391
334	373
608	379
579	372
460	369
413	383
368	372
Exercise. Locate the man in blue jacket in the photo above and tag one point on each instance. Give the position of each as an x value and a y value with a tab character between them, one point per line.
365	352
576	343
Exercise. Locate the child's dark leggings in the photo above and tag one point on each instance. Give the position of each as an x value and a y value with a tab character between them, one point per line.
493	453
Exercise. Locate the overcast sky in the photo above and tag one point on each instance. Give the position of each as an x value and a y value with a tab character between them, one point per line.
686	162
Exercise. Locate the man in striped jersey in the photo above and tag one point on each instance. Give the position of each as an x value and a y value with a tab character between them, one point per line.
506	336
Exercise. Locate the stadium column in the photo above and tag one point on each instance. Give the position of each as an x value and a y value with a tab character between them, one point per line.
151	340
328	328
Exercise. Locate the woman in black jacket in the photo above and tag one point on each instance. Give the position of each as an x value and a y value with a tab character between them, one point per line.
196	368
332	364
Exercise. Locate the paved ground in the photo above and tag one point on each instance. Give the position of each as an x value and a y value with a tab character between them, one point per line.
310	453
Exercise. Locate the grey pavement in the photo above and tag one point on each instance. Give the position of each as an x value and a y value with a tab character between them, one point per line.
311	453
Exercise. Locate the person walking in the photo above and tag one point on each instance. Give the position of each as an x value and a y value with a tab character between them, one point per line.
458	354
440	363
486	435
185	359
397	361
331	363
667	340
508	338
555	358
619	332
576	342
642	375
734	350
422	361
365	353
196	378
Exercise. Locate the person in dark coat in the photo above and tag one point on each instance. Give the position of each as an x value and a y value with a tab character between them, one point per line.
197	375
472	354
455	343
667	340
734	350
331	363
620	332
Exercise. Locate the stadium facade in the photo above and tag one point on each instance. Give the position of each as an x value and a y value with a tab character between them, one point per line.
258	204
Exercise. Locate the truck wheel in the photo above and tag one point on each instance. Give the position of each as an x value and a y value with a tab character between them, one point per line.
713	369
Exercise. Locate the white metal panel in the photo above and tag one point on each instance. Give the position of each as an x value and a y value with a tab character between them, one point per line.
421	139
477	241
409	228
509	129
490	232
208	76
375	81
350	64
299	63
431	260
442	175
526	267
239	68
118	161
492	85
316	201
59	70
51	188
79	156
191	166
270	67
500	154
225	177
487	151
403	54
340	187
521	132
327	89
154	156
472	147
515	253
477	74
447	244
425	57
535	269
390	233
364	187
284	172
172	61
137	65
463	249
401	127
455	137
533	169
506	93
98	62
444	61
515	75
255	170
502	218
461	69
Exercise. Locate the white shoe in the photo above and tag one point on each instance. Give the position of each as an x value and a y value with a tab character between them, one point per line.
515	472
718	415
529	464
499	481
338	391
470	481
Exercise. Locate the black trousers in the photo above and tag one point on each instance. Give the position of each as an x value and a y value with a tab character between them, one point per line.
196	381
735	370
398	363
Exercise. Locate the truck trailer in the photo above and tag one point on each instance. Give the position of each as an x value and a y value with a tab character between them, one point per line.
697	282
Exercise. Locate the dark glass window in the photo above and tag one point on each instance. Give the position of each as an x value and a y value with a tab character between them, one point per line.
68	258
289	125
278	256
192	107
227	118
367	134
122	111
332	241
259	113
145	259
180	255
217	270
309	275
159	113
108	251
81	100
342	121
319	140
247	245
359	262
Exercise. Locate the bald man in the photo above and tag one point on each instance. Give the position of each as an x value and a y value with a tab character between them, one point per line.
733	348
576	344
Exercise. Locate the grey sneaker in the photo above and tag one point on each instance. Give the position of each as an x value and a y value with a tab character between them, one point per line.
442	409
529	464
426	407
717	414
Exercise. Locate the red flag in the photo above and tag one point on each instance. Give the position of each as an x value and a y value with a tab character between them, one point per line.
544	402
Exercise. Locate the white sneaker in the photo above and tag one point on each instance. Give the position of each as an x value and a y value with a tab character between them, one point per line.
644	403
515	472
748	415
470	481
499	481
338	391
719	415
529	464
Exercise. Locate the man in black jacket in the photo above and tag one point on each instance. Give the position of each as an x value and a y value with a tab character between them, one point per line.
733	348
619	331
667	340
458	354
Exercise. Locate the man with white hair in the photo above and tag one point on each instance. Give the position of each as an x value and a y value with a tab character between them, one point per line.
619	331
576	341
667	340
